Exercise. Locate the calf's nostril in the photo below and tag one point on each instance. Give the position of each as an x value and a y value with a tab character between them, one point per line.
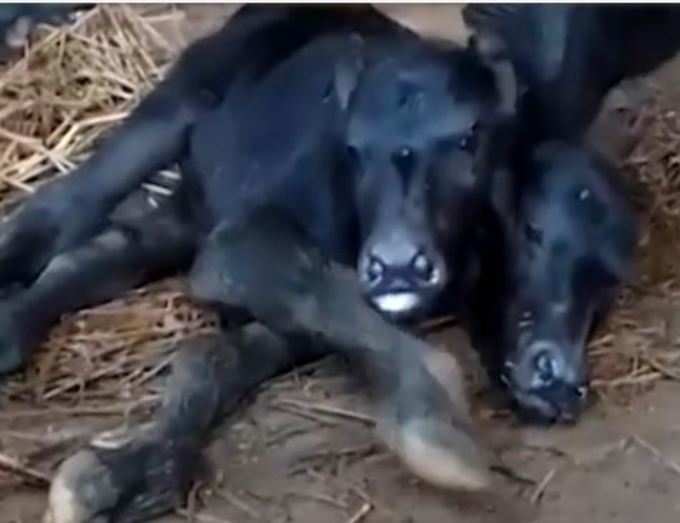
423	266
375	270
546	368
582	392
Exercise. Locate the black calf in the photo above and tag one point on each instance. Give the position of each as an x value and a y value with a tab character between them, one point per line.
260	115
370	148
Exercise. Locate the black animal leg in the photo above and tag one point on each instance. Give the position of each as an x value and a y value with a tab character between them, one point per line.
266	266
132	475
122	256
69	211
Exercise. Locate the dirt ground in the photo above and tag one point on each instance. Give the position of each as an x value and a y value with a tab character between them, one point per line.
303	451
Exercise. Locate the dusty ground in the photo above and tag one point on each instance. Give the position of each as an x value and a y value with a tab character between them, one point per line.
289	456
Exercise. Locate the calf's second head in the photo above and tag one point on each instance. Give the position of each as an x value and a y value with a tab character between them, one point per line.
572	246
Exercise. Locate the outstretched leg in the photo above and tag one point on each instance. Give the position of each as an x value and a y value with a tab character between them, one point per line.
70	210
132	475
135	474
267	266
125	254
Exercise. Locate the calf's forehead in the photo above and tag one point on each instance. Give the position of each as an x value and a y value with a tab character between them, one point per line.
573	181
581	212
410	104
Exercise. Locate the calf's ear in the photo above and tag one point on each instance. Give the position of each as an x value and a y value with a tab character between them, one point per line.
508	84
509	89
348	69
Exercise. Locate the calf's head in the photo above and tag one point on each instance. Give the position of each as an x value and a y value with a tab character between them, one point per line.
572	246
416	131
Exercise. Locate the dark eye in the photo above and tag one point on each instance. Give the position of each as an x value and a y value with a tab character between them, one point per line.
404	160
533	234
404	153
353	159
328	92
468	142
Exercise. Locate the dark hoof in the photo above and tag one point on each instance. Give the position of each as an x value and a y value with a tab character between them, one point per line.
122	480
435	441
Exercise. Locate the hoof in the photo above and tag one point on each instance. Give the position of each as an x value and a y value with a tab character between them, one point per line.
124	481
83	491
440	454
429	428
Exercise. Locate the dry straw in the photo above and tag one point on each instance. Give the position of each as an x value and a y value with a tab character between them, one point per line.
641	342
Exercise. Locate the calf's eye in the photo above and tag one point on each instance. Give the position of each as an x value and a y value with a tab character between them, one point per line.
404	160
354	159
404	153
469	141
533	234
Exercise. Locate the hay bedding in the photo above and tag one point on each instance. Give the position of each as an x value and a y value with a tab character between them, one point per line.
75	82
641	342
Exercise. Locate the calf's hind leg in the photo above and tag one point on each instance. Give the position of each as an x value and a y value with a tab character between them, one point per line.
70	210
135	474
122	256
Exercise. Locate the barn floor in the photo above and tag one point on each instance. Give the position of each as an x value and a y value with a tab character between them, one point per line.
289	457
303	450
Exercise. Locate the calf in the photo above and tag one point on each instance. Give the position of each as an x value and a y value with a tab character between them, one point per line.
360	138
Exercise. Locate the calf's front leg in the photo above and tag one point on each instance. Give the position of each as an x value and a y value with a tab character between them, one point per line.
267	266
134	474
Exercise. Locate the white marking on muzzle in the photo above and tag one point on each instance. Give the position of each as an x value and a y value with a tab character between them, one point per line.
397	301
